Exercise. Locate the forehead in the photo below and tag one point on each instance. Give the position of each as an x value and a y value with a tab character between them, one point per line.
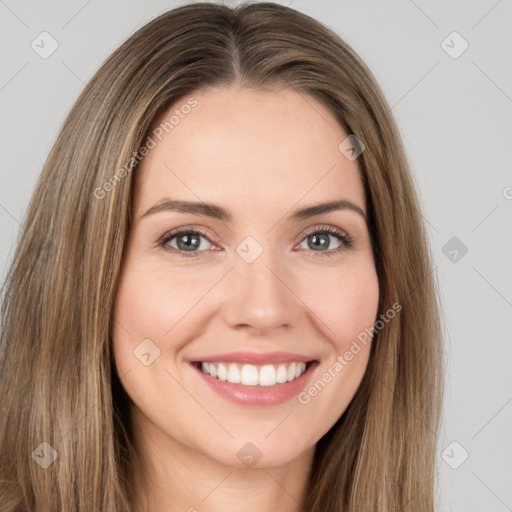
248	147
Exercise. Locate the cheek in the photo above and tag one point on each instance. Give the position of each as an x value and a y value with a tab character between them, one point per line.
155	304
142	311
347	306
150	315
142	307
345	303
151	301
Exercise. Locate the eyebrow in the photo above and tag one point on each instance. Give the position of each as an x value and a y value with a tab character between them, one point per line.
217	212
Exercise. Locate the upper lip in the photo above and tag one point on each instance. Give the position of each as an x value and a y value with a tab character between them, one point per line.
256	358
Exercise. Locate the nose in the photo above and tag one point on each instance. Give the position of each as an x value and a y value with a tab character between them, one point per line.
260	295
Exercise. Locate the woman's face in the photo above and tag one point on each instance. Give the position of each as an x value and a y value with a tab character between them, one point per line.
260	288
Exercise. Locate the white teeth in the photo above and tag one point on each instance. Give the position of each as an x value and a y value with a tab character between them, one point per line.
233	374
222	372
251	375
267	375
291	372
281	374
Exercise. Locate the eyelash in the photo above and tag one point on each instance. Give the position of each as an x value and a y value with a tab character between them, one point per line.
345	239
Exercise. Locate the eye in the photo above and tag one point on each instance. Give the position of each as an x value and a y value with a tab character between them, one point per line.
184	241
187	242
320	238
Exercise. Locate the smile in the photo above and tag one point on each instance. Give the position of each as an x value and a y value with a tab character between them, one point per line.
255	379
254	375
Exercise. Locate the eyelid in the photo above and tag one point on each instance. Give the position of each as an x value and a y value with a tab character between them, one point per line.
323	227
206	232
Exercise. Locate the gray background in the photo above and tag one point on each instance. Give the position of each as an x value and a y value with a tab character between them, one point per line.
454	112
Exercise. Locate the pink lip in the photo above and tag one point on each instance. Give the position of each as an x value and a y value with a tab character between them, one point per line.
255	358
258	396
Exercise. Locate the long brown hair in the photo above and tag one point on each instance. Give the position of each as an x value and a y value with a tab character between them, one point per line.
57	381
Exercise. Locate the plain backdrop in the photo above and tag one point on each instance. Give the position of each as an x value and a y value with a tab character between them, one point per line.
445	68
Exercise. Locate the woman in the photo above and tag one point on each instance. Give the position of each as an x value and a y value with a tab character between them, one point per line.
222	294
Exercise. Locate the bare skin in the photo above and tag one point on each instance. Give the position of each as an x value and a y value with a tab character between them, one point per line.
260	155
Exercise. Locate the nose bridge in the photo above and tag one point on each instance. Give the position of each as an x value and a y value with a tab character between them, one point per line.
258	293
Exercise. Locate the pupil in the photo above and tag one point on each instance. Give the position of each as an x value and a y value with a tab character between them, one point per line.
189	241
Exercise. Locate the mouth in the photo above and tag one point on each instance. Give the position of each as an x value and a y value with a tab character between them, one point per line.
251	375
255	379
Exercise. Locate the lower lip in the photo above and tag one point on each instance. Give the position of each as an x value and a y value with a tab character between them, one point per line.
258	396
